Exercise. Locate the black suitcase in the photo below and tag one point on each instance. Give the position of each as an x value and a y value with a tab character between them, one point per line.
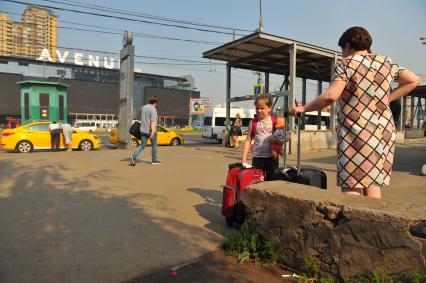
306	176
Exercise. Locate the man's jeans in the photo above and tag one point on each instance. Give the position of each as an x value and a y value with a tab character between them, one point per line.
142	145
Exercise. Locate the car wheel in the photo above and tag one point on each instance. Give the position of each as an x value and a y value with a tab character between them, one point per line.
85	145
24	146
134	144
175	142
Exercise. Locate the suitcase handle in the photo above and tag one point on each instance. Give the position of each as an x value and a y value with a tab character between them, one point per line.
299	120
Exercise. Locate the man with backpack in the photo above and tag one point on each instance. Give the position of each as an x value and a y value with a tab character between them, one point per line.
148	120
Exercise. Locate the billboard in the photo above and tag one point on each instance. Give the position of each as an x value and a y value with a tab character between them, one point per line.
199	105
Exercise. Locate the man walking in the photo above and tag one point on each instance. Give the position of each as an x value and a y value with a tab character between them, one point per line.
55	136
148	119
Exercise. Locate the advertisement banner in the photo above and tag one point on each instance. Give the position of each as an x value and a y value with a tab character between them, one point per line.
199	105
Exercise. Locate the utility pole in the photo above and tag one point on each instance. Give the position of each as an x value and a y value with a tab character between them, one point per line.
260	28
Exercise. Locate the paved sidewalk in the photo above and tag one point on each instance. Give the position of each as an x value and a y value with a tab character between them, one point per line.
89	217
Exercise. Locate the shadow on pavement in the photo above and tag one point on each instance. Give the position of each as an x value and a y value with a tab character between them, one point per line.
217	267
210	209
410	158
57	228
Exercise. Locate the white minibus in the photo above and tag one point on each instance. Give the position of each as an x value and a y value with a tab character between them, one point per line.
215	118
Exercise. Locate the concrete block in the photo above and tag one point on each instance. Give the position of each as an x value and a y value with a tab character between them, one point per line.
345	234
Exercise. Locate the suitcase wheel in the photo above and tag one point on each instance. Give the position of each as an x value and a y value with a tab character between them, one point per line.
229	221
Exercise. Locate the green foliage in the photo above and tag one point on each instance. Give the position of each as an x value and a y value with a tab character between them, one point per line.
380	275
246	246
312	272
311	267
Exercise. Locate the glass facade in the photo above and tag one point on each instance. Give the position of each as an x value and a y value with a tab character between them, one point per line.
34	69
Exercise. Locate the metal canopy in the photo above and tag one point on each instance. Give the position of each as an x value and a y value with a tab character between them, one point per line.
271	54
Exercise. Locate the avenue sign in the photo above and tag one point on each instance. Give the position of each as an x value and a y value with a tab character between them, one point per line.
79	58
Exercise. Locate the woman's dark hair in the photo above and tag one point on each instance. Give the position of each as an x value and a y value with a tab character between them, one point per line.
267	98
358	39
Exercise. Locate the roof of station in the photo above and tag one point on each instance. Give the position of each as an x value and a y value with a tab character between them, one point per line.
269	53
43	83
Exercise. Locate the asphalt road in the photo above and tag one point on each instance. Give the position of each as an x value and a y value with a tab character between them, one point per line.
191	140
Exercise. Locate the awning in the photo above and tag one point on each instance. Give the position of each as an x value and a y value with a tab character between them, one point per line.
269	53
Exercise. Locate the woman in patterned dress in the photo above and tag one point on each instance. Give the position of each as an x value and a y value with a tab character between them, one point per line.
361	85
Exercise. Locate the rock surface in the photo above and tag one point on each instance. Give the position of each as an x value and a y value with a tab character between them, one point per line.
346	235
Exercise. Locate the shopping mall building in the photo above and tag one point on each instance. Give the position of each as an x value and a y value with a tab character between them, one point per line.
94	89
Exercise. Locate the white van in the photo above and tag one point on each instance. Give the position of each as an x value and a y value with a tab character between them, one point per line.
86	126
215	118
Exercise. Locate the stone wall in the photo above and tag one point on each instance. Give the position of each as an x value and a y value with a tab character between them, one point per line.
346	235
313	140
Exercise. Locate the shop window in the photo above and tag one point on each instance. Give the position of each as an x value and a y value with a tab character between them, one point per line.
61	107
26	106
44	106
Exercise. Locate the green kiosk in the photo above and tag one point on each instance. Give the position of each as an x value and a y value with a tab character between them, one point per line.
43	101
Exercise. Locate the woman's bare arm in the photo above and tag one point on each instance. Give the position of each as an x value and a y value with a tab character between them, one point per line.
407	82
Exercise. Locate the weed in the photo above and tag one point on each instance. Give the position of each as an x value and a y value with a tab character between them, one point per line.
311	267
380	275
246	246
312	272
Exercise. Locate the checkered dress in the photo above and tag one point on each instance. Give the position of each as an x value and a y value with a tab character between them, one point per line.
366	131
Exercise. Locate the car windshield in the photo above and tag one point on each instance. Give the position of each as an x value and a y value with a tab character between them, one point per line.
161	129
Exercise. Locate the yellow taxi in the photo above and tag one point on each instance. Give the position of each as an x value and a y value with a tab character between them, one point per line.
36	135
165	136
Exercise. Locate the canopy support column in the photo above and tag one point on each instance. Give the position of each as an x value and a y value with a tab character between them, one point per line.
266	82
303	102
319	90
228	104
291	103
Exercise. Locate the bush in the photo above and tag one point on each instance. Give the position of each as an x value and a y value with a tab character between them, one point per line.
246	246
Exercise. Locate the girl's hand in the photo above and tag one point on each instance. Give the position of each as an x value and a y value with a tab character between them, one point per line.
296	110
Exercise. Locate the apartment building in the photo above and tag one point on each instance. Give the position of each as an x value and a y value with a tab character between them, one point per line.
37	30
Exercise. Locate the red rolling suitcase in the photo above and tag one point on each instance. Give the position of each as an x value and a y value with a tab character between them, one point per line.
306	176
238	179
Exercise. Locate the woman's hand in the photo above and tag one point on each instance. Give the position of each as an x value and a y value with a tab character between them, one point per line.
296	110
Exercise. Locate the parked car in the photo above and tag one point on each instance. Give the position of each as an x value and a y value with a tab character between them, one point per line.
36	135
165	136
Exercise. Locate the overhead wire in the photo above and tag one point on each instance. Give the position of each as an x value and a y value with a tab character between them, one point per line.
135	34
26	42
127	12
120	17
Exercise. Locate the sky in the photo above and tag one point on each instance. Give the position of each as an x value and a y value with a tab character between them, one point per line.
396	27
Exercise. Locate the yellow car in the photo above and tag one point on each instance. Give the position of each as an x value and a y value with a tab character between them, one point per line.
165	136
36	135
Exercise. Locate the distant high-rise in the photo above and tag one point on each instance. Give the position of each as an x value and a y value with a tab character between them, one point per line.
38	30
6	43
